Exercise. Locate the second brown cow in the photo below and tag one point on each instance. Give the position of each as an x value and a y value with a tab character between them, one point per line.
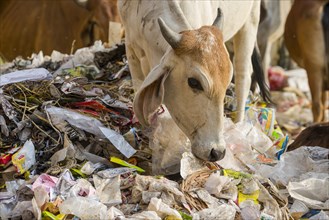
30	26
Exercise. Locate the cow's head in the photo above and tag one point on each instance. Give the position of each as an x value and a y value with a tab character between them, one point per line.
101	12
191	80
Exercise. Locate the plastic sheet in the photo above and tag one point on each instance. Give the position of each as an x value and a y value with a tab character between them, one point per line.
25	75
89	167
205	196
41	196
108	190
46	181
169	190
162	209
81	56
114	213
84	208
189	164
82	188
320	216
215	183
145	215
295	163
78	120
313	192
270	198
22	209
113	172
224	211
13	186
250	211
119	142
298	209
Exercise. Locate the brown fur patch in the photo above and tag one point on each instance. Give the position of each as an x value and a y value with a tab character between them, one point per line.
304	39
205	46
47	25
315	135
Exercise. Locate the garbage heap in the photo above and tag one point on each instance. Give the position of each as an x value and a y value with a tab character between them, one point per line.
291	93
71	148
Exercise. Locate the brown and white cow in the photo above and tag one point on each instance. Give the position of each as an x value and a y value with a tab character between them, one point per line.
30	26
179	61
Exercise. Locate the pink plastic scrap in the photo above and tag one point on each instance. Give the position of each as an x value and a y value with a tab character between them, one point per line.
46	181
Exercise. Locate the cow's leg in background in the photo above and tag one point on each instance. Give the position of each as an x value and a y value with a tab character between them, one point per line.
315	78
312	47
244	42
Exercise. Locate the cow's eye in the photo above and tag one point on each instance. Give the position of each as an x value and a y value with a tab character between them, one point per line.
194	84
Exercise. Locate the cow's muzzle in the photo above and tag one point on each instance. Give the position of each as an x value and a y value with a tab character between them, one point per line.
209	152
216	155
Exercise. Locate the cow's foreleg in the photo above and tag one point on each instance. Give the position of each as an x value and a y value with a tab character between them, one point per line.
135	66
244	42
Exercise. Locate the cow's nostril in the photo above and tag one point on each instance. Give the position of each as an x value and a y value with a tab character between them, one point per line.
216	155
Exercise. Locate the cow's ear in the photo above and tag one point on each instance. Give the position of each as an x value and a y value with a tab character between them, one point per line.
150	96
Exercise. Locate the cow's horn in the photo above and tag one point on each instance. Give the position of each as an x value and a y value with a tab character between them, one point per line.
171	36
219	20
82	3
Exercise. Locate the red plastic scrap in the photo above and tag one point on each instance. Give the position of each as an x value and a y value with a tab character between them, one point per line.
277	79
87	111
92	104
5	159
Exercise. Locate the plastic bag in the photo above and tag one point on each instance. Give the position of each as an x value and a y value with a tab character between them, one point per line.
295	163
168	143
37	74
84	208
25	157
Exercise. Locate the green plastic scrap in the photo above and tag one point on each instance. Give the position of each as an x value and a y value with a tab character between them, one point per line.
126	164
236	174
185	216
77	172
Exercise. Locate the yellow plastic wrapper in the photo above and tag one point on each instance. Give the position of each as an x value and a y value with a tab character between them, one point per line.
50	216
171	217
253	197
